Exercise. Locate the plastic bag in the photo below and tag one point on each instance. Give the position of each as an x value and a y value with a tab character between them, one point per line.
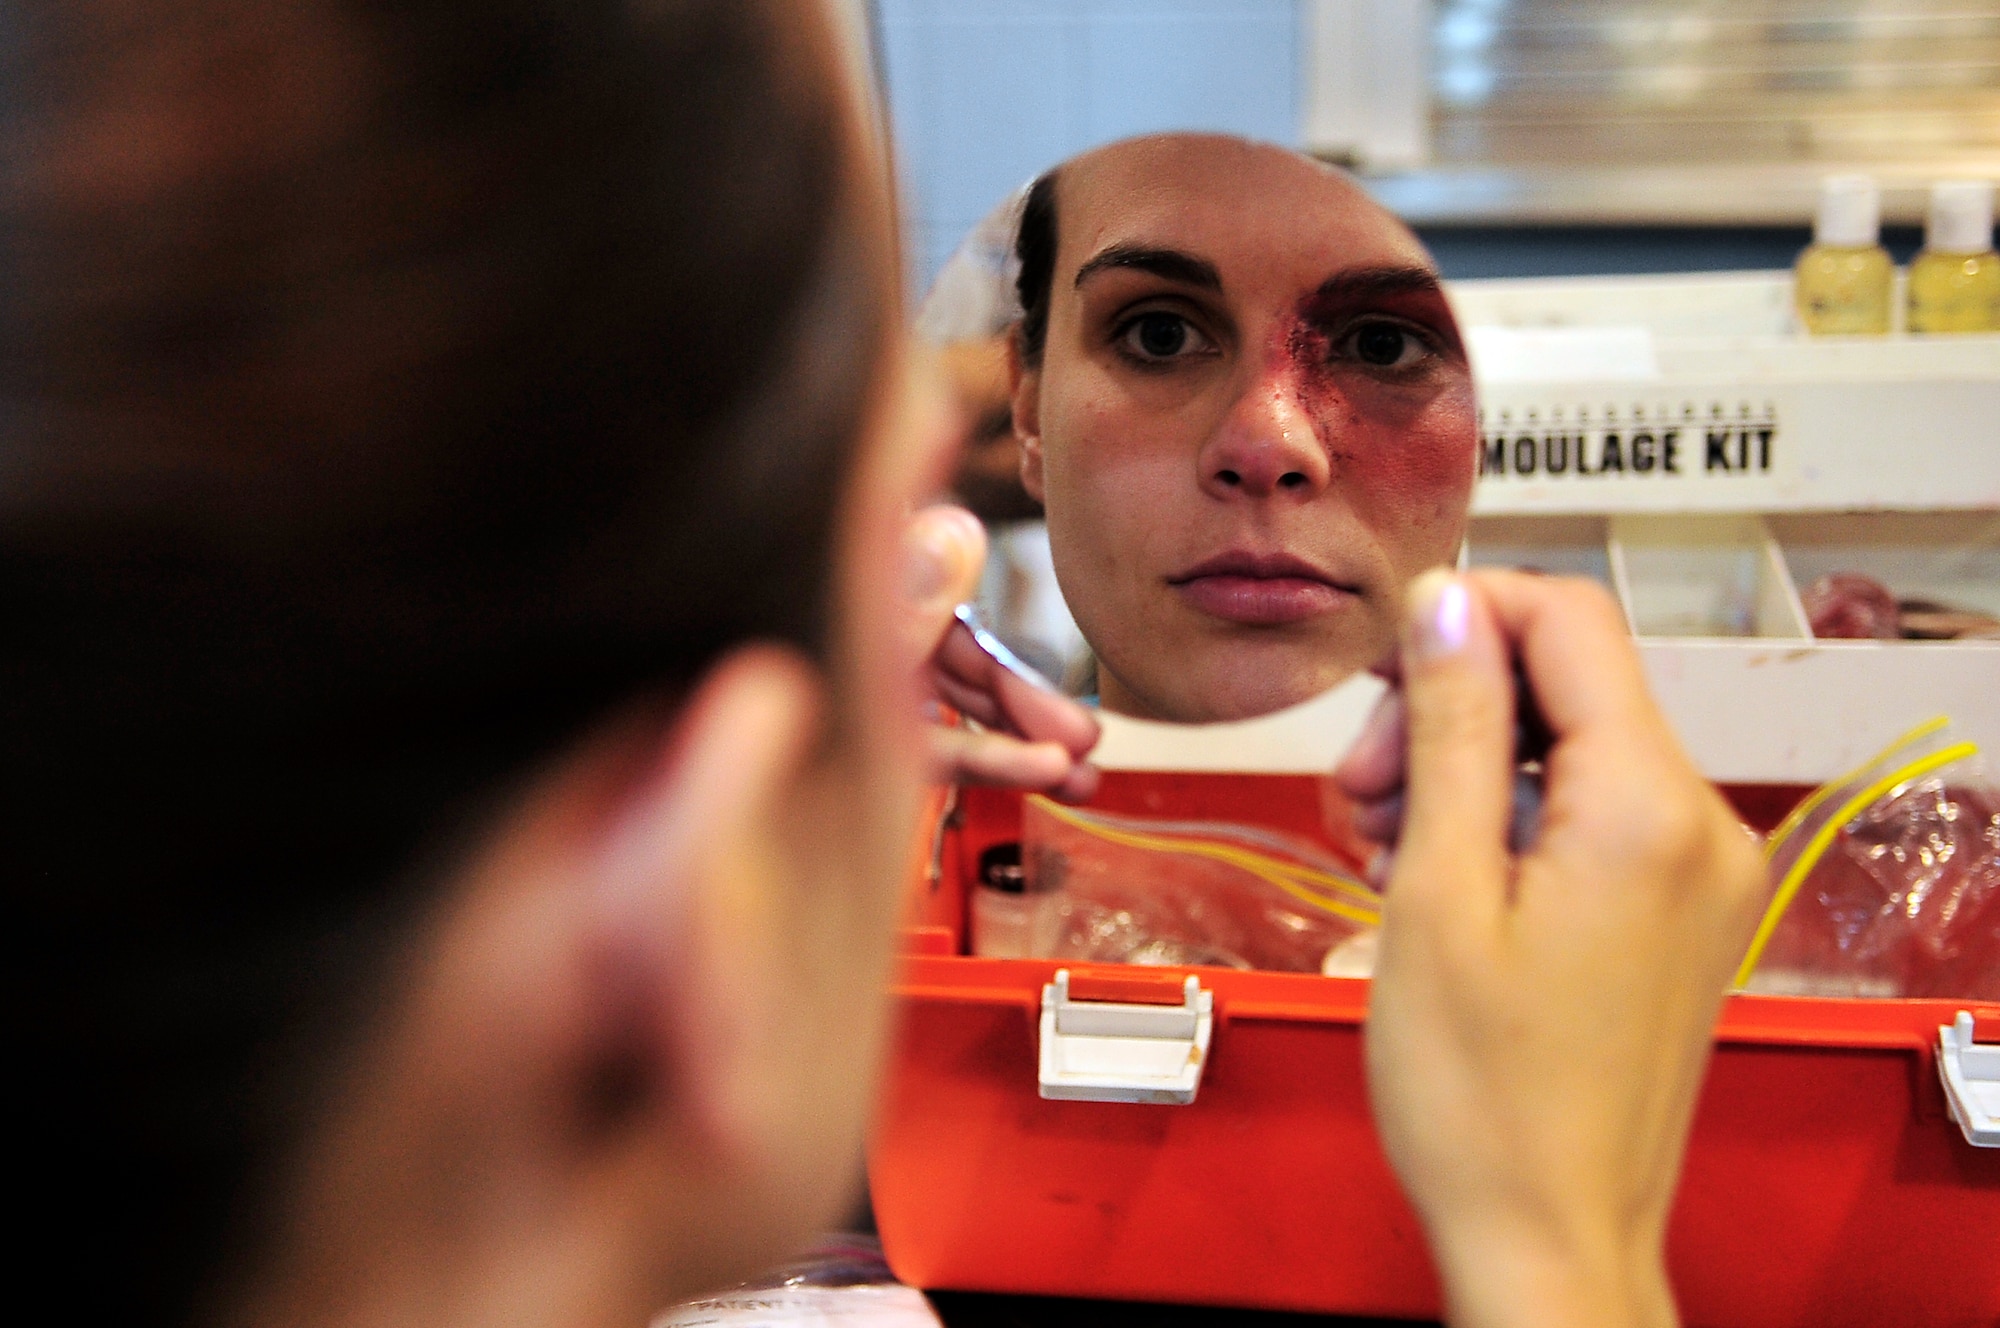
1888	881
1128	890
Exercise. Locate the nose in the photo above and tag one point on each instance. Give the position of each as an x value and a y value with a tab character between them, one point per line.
1265	446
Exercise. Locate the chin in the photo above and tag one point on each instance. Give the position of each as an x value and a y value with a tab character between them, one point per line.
1238	689
1232	698
1259	702
1237	674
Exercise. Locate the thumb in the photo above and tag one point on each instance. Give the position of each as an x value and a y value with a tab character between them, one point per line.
944	552
1459	702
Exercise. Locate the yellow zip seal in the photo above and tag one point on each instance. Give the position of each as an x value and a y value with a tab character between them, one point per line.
1339	896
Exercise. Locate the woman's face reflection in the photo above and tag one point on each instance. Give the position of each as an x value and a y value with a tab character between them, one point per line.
1251	423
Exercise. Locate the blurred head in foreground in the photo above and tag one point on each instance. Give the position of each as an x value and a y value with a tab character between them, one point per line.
454	462
1246	406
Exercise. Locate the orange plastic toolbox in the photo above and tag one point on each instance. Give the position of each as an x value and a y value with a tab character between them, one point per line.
1827	1182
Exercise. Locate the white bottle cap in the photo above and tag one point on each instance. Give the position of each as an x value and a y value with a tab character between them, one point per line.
1961	220
1850	212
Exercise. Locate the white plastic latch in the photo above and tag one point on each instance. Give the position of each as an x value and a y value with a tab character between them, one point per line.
1104	1051
1971	1074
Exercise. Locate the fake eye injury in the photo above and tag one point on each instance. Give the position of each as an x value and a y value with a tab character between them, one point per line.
1888	880
1130	890
1381	344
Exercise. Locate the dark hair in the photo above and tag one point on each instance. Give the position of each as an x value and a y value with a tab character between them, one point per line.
1035	247
489	370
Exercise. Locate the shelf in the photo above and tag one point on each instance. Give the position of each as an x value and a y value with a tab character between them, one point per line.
1677	394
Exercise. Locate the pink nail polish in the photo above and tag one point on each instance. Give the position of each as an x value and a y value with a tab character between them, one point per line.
1441	615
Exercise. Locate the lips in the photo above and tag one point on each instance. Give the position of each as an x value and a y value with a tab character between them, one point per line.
1261	590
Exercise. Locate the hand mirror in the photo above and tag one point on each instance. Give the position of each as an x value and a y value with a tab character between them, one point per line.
1234	385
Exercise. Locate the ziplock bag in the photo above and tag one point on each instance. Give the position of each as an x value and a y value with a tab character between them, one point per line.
1119	889
1888	880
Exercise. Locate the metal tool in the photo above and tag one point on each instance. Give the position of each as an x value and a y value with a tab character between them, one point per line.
968	614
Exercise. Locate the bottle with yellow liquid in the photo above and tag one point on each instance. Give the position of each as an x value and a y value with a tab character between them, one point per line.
1955	282
1844	281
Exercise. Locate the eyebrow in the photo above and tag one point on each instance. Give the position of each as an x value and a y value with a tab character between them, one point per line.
1371	282
1169	263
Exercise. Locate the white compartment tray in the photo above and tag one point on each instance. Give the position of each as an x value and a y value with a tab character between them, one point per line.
1774	712
1714	601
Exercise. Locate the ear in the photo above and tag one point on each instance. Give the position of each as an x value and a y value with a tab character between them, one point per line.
687	879
1025	383
563	1074
926	427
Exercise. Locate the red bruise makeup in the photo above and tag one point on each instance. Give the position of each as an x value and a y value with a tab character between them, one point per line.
1390	322
1382	341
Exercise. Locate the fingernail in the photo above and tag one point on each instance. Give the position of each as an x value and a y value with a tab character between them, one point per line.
1440	615
1385	724
930	557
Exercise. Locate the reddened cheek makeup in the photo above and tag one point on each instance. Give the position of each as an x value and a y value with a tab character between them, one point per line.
1400	444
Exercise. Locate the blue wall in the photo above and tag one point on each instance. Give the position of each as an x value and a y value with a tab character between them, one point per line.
986	94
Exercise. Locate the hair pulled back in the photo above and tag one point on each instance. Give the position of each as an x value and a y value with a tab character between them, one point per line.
442	378
1035	248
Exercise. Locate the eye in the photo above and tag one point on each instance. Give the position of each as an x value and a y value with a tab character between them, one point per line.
1385	345
1158	336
